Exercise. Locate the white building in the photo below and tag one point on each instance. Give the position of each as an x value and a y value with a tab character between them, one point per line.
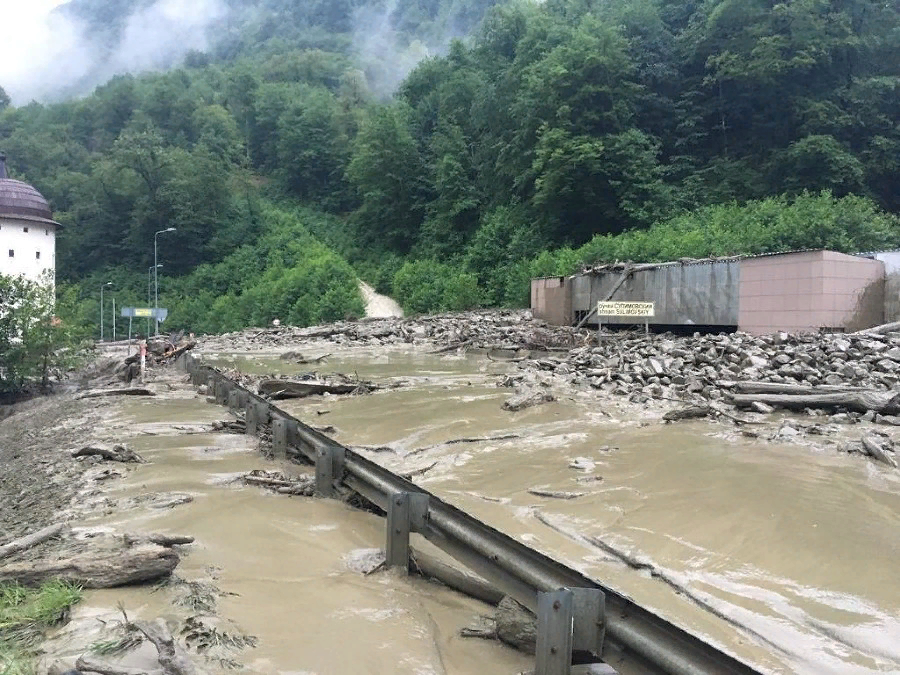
27	229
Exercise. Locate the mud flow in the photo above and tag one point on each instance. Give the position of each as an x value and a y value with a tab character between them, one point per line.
784	555
280	577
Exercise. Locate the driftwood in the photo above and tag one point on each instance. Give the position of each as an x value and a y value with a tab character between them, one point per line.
688	413
873	447
175	353
858	401
880	330
451	348
118	453
527	399
171	657
90	664
753	387
465	583
555	494
516	626
456	441
164	540
31	540
130	391
282	389
107	570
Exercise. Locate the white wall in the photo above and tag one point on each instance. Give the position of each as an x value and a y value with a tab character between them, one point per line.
40	238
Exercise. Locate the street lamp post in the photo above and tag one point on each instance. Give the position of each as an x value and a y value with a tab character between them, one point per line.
156	275
108	283
150	271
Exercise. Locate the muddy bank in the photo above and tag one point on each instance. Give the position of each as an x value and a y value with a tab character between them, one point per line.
242	546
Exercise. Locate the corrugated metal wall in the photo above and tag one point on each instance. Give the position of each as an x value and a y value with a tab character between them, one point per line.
700	294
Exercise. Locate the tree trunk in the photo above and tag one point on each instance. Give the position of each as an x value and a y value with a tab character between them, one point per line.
102	570
858	401
465	583
31	540
516	626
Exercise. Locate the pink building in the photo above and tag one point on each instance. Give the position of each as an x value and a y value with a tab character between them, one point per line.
810	291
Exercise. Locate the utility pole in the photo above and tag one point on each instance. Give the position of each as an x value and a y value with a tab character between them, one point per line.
150	271
156	274
108	283
114	319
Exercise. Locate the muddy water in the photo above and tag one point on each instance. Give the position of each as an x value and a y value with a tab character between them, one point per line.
284	563
785	555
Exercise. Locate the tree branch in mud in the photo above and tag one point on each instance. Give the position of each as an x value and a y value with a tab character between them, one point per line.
171	657
105	570
31	540
873	447
118	453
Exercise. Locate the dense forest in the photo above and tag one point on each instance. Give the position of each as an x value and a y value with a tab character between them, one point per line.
296	154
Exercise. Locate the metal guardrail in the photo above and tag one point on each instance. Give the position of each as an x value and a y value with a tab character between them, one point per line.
576	614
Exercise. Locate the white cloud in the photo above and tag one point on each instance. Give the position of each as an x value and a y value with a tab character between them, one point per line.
46	55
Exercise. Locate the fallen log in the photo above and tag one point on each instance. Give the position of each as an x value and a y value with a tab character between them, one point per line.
164	540
555	494
451	348
516	626
465	583
171	657
857	401
175	353
90	664
31	540
130	391
279	390
880	330
456	441
690	412
106	570
753	387
118	453
527	400
873	447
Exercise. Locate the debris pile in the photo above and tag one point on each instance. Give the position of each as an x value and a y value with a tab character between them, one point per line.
510	329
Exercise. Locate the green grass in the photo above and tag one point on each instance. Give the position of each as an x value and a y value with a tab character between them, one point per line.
25	614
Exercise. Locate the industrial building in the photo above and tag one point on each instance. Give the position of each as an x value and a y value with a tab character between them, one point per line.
797	291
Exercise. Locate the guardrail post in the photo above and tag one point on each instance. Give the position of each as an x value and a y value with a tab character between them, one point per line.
329	466
234	400
553	653
250	418
406	513
588	630
222	388
279	437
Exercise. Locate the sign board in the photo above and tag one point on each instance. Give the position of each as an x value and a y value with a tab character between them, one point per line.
635	309
145	312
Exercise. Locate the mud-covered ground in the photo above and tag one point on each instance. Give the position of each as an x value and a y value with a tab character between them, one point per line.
748	383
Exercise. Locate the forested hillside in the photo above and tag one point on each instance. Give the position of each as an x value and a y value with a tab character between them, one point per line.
555	132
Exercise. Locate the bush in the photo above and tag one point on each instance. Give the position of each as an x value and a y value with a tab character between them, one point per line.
849	224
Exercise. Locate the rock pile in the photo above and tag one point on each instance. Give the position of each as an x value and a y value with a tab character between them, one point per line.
478	330
710	367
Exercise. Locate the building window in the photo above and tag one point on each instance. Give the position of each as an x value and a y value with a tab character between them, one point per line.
37	255
12	253
24	229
